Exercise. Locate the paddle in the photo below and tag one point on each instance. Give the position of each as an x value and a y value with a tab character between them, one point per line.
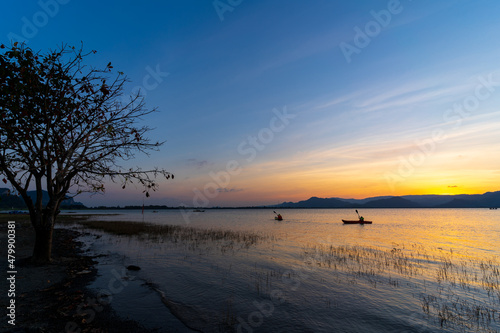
358	214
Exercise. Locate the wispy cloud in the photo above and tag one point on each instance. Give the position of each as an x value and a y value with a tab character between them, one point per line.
198	164
229	190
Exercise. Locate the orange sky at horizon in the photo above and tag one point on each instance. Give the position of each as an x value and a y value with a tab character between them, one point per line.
356	171
247	188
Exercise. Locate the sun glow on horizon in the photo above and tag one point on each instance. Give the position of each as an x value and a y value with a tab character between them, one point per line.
279	96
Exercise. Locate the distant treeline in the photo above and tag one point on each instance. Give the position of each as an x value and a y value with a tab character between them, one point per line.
160	207
149	207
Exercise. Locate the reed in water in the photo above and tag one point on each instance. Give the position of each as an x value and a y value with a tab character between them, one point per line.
467	289
177	233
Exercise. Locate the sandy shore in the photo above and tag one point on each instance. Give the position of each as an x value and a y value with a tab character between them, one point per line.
55	297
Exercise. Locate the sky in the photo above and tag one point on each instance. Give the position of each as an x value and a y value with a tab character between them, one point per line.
261	102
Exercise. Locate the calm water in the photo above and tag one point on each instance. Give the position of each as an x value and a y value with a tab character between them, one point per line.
412	270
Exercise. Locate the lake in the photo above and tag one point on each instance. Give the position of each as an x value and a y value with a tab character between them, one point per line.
412	270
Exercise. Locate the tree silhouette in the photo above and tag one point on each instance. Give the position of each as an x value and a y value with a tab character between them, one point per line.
64	126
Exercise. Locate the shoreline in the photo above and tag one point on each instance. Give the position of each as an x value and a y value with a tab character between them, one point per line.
153	299
56	297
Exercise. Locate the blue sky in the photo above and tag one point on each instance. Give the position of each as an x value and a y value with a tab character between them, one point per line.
300	98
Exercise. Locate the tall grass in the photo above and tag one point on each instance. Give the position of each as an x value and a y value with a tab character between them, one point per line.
226	240
467	289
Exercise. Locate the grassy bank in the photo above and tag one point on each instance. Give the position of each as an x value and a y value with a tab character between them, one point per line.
225	240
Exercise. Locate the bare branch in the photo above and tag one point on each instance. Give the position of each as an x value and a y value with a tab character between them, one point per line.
68	123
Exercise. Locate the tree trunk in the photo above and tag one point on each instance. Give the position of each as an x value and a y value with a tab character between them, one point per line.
42	250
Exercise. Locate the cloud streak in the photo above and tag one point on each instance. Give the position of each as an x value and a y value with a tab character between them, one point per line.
198	164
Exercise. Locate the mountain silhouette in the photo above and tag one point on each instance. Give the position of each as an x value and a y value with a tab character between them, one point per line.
9	201
488	199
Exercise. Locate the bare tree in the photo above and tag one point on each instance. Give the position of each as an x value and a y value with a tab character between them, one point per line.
64	126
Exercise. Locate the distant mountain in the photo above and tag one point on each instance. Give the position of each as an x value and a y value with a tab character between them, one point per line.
393	202
458	203
428	200
491	199
8	201
364	201
68	202
316	202
488	199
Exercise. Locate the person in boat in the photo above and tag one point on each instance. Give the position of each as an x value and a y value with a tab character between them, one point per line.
361	218
280	217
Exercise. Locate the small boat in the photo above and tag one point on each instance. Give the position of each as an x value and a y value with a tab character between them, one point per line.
278	218
356	222
360	220
198	210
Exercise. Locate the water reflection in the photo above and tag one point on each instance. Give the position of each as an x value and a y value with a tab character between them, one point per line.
413	269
